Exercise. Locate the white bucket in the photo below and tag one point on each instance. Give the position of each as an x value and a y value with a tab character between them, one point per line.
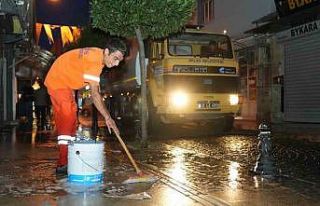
86	161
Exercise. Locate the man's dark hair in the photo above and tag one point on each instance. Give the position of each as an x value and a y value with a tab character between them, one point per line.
117	44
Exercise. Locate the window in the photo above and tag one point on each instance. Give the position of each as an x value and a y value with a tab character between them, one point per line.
195	44
208	8
180	50
156	50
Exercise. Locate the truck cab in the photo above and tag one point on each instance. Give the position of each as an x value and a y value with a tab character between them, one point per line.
191	77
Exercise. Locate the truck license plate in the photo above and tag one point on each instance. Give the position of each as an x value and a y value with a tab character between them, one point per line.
208	105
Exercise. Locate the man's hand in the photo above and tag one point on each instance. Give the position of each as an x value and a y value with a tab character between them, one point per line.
112	125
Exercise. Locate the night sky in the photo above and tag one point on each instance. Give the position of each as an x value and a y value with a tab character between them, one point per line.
66	12
237	16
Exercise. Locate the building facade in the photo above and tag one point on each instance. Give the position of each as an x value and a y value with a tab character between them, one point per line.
283	50
301	67
12	31
277	48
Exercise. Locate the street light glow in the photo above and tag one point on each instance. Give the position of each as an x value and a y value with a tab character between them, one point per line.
53	1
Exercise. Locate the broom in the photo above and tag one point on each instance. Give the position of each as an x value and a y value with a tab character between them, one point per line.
141	177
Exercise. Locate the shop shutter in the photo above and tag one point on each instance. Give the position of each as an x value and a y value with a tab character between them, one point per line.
302	79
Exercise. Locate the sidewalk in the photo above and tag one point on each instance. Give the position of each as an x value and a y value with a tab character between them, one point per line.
27	177
299	131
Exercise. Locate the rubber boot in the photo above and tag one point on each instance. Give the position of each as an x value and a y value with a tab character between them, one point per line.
62	163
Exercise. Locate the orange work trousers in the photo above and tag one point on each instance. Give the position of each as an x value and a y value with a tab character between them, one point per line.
65	117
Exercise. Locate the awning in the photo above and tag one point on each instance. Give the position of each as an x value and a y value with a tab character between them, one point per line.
271	23
34	65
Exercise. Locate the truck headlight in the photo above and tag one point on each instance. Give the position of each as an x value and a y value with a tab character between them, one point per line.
233	99
178	99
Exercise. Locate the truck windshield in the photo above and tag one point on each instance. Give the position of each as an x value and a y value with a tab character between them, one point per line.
202	84
199	44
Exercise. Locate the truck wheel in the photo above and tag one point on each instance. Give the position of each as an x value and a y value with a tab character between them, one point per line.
154	123
228	123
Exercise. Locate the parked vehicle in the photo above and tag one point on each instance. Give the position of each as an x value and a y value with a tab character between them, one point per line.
187	81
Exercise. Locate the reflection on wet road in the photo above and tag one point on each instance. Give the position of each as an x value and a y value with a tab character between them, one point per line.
197	170
220	165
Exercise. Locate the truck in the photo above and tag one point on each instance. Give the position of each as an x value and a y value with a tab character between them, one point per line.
187	81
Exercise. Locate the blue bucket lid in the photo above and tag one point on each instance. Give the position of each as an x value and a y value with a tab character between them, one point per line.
87	141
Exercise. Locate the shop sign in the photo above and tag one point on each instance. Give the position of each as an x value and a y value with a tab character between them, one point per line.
288	7
299	31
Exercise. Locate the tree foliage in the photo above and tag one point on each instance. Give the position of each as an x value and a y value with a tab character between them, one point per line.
90	37
141	19
154	18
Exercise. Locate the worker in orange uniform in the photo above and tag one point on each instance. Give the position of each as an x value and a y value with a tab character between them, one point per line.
72	71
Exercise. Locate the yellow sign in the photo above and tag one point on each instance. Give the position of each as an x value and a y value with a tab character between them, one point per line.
293	4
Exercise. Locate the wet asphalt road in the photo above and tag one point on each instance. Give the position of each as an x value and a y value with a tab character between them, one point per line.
220	164
196	162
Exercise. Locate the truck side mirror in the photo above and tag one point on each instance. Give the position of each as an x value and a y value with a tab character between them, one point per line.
159	57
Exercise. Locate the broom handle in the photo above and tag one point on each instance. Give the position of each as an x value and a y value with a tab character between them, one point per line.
128	153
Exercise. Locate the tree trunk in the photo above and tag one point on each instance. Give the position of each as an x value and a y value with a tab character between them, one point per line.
144	106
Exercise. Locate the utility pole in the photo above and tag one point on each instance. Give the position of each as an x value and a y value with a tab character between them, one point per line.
3	74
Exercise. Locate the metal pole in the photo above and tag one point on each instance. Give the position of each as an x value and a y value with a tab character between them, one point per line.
1	73
94	122
4	86
14	89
